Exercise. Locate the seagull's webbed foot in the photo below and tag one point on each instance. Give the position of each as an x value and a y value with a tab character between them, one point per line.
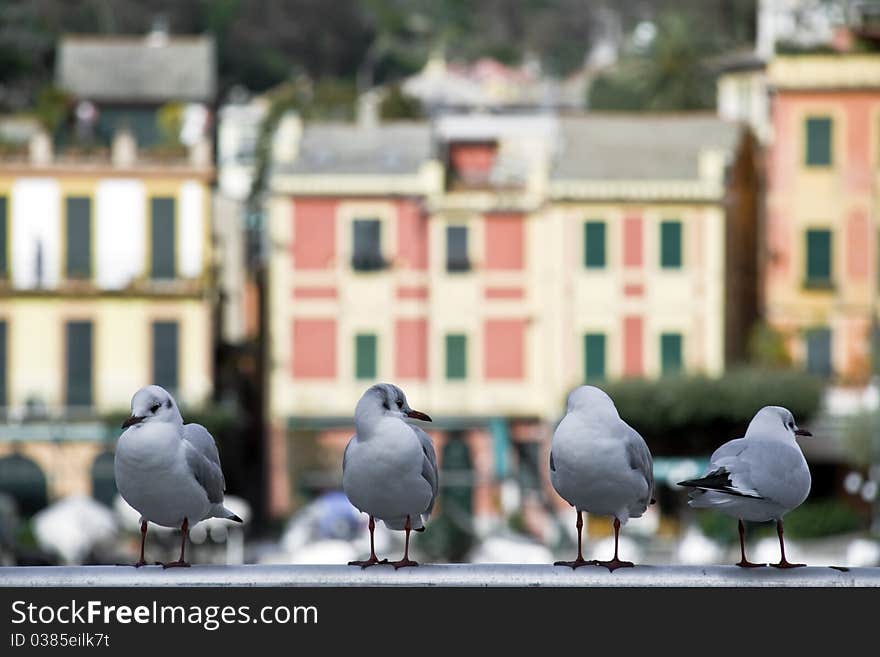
614	564
404	563
175	564
577	563
744	563
366	563
140	563
787	564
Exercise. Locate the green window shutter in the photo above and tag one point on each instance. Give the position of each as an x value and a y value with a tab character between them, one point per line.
3	400
162	238
457	249
670	244
78	251
670	353
818	141
4	238
594	356
818	257
166	355
819	351
365	356
594	244
79	364
456	356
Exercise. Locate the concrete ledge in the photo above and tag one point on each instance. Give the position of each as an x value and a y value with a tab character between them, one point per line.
473	575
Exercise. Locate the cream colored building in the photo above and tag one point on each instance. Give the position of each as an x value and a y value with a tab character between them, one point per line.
452	258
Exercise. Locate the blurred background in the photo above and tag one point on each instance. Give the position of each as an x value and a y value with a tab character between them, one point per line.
266	207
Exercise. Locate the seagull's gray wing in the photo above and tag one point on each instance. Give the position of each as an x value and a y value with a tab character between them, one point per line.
772	469
730	471
639	457
345	453
204	461
429	465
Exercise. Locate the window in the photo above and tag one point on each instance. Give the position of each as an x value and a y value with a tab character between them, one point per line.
818	264
670	244
365	356
166	358
367	254
456	356
594	356
457	249
594	244
818	141
162	238
78	249
3	401
4	239
819	351
79	364
670	353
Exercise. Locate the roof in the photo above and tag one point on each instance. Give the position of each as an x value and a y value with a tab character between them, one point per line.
639	146
348	148
138	68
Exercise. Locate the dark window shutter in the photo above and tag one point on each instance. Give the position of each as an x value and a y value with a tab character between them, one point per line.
670	353
104	478
166	355
456	356
594	357
79	364
3	400
594	244
367	254
78	253
819	351
818	257
162	238
670	244
4	239
365	356
457	249
819	141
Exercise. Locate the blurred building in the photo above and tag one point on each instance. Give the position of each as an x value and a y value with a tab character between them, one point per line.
105	268
821	267
489	263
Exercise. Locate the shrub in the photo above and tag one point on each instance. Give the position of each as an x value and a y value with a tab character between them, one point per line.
694	414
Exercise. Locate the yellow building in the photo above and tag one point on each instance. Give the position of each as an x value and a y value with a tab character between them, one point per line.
103	289
820	258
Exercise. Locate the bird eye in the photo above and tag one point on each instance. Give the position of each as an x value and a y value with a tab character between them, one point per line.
154	408
399	403
791	425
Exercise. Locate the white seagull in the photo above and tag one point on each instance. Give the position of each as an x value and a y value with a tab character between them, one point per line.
167	470
601	465
389	469
759	477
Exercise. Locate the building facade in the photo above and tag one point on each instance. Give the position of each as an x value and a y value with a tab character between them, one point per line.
488	264
820	260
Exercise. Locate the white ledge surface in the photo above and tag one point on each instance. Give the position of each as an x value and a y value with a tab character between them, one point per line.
472	575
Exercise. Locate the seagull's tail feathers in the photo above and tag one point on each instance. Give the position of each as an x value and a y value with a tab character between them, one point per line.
220	511
416	523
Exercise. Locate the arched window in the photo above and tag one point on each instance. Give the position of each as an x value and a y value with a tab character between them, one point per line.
104	478
24	481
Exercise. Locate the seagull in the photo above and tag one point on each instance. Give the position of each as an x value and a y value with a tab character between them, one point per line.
167	470
759	477
389	469
601	465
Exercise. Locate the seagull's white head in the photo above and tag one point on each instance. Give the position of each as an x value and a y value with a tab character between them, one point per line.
590	399
385	400
775	421
152	404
